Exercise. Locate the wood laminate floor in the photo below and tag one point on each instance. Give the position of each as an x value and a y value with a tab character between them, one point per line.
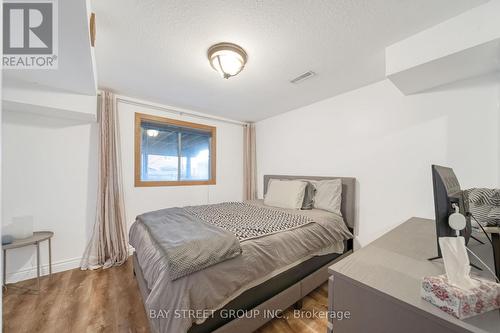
109	301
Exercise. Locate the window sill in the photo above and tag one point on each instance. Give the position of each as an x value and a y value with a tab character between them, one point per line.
140	183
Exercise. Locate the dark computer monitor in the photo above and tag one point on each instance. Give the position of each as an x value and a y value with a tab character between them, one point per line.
446	193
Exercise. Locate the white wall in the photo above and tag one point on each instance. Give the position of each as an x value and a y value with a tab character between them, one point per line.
50	172
388	142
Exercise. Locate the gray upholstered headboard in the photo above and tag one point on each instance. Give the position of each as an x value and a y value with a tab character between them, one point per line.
347	208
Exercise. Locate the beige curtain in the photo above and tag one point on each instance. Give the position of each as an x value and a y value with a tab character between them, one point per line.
249	163
108	244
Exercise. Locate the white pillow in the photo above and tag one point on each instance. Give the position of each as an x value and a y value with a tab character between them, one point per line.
285	193
328	195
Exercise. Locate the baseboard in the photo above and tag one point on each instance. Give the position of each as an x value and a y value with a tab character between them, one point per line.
57	266
30	273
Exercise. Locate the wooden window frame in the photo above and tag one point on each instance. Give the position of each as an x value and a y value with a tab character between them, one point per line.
139	117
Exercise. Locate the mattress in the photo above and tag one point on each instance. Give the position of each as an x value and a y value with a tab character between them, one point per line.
262	292
263	259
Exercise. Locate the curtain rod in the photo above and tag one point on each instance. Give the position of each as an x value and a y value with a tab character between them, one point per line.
181	112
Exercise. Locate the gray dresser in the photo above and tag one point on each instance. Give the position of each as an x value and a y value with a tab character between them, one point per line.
380	287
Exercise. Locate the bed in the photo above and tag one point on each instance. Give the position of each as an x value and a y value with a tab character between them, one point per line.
241	294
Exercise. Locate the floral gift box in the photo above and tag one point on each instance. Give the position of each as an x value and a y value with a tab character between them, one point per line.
459	302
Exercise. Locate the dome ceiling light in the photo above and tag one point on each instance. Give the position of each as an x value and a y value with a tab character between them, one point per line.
227	59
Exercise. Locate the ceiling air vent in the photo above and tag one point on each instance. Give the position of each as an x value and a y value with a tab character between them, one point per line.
302	77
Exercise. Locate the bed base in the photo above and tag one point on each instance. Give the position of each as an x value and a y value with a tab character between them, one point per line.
282	300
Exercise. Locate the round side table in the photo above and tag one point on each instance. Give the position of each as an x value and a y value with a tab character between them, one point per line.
38	236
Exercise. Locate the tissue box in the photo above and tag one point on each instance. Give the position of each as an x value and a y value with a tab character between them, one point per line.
458	302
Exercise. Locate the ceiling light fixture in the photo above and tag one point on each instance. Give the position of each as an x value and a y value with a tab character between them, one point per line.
226	58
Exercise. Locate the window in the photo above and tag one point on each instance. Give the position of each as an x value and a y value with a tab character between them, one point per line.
171	152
